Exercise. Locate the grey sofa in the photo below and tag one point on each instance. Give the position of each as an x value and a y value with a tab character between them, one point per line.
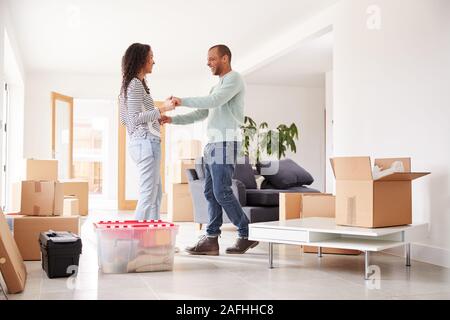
259	205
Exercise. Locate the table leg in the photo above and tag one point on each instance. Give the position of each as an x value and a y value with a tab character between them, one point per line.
366	265
408	255
319	252
270	255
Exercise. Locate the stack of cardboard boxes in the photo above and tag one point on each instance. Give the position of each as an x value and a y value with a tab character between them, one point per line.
179	203
44	203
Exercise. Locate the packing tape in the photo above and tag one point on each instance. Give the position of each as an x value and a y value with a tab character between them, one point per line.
36	210
2	260
37	187
351	210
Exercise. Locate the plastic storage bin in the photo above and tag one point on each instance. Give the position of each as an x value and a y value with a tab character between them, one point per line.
60	253
135	246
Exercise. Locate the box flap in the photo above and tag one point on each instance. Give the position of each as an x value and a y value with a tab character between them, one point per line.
387	163
352	168
404	176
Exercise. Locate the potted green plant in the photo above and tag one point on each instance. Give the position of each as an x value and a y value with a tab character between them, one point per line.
259	140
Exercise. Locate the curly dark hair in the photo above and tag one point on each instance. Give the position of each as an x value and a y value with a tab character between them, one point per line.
133	61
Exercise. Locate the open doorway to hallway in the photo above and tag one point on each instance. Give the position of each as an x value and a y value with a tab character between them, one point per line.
95	150
296	87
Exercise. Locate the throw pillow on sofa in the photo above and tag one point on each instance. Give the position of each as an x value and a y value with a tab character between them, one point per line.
243	171
289	174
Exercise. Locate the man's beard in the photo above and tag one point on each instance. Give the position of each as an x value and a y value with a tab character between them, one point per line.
218	71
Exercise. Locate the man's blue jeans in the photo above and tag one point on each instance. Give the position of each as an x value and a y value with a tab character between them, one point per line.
146	153
220	159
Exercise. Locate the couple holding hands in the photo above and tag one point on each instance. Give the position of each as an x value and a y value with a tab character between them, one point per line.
223	109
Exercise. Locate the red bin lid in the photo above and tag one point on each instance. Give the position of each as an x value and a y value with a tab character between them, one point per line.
133	224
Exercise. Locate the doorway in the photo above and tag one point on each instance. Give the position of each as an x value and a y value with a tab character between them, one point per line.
294	87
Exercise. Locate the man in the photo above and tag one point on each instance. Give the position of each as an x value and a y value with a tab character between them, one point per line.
224	110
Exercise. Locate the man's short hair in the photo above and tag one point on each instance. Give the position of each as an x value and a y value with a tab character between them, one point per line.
223	50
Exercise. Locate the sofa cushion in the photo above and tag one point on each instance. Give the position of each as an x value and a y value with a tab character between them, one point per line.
289	174
244	173
261	214
263	197
267	185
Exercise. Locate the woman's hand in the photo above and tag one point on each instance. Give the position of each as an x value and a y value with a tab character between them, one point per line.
165	119
171	103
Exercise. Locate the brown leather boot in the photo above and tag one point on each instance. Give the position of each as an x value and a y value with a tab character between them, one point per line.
205	246
241	246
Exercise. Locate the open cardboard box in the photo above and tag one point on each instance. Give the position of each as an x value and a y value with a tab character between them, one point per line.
364	202
80	190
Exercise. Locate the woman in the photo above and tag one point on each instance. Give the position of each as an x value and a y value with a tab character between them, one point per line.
139	114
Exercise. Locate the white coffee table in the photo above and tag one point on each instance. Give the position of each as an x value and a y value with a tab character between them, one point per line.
324	233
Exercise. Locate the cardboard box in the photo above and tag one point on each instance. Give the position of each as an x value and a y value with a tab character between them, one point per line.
294	205
27	230
179	170
71	206
189	149
364	202
80	190
41	198
179	203
309	205
12	267
41	169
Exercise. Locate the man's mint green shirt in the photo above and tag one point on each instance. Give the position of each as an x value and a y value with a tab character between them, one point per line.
223	108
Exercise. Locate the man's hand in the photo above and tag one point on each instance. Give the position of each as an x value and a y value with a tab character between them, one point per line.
165	119
176	101
169	104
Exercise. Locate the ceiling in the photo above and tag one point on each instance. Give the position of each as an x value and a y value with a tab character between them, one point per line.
85	36
305	66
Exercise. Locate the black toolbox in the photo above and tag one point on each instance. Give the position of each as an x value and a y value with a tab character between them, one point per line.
60	253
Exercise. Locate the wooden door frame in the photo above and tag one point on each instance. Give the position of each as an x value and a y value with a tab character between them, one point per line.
123	203
58	96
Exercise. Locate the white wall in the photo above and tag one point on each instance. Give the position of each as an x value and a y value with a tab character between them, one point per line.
303	106
12	72
38	117
330	183
392	98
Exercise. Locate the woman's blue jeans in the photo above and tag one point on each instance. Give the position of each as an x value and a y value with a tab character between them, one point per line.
146	153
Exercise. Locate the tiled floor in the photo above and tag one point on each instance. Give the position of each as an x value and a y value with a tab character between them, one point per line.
295	276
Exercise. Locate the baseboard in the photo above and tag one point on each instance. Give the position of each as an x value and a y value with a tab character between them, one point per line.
425	253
